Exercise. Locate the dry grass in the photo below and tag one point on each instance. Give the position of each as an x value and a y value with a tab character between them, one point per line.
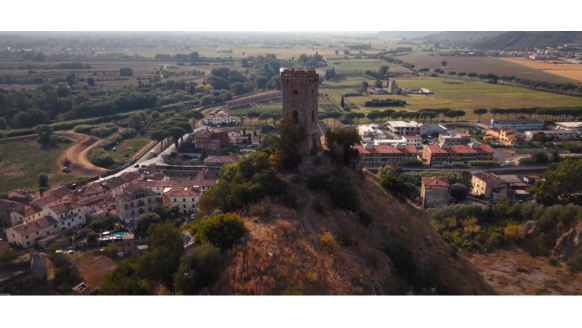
93	268
280	251
571	71
514	232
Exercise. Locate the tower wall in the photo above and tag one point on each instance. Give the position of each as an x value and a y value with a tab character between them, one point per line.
300	90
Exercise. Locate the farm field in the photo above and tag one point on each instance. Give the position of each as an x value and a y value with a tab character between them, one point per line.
22	162
129	147
371	64
571	71
481	65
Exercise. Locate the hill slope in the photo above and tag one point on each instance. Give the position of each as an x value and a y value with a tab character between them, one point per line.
292	251
405	34
523	40
457	36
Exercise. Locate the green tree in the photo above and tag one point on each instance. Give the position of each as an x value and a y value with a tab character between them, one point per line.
91	82
336	51
44	133
396	187
384	171
479	112
342	103
221	231
459	191
340	142
43	180
162	259
443	63
384	69
199	268
62	91
136	122
155	115
176	133
167	212
3	124
461	74
160	135
144	222
124	280
194	115
71	80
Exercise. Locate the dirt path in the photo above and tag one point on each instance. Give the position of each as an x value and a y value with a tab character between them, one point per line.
77	154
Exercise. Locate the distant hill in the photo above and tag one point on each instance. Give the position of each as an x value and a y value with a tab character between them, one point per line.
457	36
524	40
405	34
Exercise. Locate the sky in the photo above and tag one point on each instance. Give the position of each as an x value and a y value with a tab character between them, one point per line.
273	15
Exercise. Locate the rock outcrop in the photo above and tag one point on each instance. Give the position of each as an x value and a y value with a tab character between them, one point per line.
567	243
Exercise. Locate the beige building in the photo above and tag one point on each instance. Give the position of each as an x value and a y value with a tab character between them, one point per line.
490	186
185	198
454	139
6	208
435	192
135	201
28	233
26	214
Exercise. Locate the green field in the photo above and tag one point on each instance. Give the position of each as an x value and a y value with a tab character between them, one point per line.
480	65
129	148
22	162
371	64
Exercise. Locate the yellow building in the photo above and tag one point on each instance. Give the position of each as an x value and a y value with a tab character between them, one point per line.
506	135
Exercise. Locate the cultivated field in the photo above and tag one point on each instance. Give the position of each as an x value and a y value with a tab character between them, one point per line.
481	65
22	162
571	71
371	64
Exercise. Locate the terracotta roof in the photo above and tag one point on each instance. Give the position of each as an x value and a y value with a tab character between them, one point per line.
92	201
65	207
486	177
8	203
203	133
44	201
28	211
61	192
386	149
459	149
435	182
207	174
183	192
130	176
34	225
114	182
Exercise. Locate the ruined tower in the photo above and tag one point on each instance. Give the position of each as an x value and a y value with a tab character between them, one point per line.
300	90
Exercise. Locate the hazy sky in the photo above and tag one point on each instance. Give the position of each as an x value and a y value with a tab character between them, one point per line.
273	15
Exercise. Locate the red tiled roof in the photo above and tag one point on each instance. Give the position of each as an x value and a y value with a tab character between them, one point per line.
183	192
386	149
65	207
435	182
34	225
28	211
221	159
61	192
42	202
8	203
486	177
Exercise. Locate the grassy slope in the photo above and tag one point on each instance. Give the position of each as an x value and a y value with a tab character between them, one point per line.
22	162
284	250
130	147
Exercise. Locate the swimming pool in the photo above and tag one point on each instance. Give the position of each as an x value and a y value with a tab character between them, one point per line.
120	234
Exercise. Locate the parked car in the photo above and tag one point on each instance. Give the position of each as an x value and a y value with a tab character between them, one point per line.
71	252
136	166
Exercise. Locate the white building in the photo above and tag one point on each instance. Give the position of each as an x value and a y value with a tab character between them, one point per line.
551	134
402	128
68	214
574	126
434	129
135	201
221	118
185	198
371	131
518	125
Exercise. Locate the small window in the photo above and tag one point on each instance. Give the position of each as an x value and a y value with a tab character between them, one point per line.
27	243
55	225
26	236
175	200
192	199
184	200
13	234
295	92
37	233
47	232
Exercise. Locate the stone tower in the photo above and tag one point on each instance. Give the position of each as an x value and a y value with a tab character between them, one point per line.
300	90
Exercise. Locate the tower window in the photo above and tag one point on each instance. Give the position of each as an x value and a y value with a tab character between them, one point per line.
312	91
295	116
312	116
295	92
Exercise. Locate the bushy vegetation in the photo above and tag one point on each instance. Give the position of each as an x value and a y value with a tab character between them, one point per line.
221	231
340	141
66	275
538	157
317	206
396	187
560	181
7	255
415	178
101	131
385	103
473	227
199	268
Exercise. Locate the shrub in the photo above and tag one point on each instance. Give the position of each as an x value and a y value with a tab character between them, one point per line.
514	233
328	243
411	163
291	291
92	237
311	276
396	187
343	195
7	255
317	206
69	232
221	231
553	261
199	267
574	264
318	181
496	239
365	218
111	251
344	238
263	208
317	161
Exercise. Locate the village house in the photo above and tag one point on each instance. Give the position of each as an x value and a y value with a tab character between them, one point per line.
27	214
27	234
507	136
433	129
376	156
186	198
6	208
68	214
221	118
490	186
402	128
434	154
211	140
135	201
435	192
